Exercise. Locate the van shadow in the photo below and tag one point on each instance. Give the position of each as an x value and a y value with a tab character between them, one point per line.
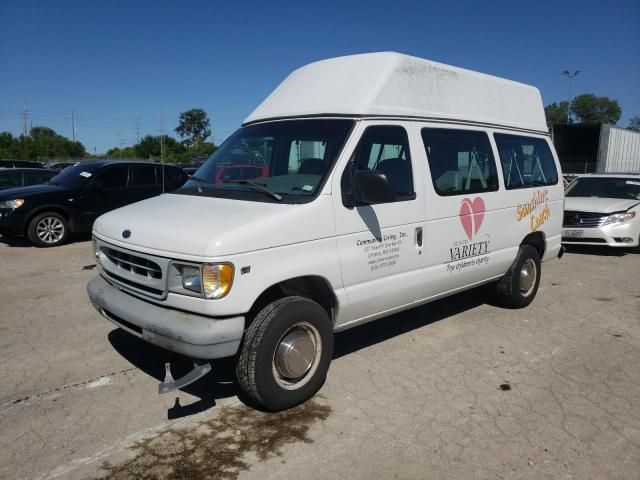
23	242
220	382
597	250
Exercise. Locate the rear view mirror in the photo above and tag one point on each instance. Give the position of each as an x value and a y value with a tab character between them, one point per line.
373	187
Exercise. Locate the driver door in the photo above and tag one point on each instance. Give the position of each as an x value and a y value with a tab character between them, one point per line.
380	245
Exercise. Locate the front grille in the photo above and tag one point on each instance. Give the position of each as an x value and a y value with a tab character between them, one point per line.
133	264
583	240
139	286
583	219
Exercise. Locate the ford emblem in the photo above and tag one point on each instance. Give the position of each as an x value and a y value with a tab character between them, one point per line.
126	233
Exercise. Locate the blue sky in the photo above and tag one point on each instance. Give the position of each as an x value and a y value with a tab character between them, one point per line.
110	60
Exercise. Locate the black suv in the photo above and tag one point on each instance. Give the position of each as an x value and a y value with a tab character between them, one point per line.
74	198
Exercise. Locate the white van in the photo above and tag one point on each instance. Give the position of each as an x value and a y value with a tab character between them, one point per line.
362	186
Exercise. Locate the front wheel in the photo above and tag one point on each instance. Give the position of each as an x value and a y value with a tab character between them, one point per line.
519	286
285	353
48	229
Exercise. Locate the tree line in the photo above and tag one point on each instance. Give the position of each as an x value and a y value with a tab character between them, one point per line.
40	142
588	108
194	128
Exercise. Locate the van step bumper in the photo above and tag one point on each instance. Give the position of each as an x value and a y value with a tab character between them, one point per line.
189	334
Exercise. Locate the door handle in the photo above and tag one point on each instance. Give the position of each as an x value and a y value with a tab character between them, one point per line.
419	236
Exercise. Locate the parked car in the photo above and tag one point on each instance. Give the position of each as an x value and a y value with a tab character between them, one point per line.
19	164
59	165
388	182
603	209
73	199
23	177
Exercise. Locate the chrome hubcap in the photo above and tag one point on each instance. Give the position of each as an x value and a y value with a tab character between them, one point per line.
528	275
50	230
297	356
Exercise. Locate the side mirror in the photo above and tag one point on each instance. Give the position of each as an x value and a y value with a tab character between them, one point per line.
373	187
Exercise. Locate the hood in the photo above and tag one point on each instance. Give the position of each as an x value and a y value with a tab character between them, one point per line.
194	227
33	190
597	204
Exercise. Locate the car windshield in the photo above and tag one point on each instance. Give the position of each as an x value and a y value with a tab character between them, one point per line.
284	161
74	177
605	187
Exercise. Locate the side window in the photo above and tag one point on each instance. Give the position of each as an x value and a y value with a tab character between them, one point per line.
11	179
36	178
384	149
526	161
461	161
113	177
173	177
142	176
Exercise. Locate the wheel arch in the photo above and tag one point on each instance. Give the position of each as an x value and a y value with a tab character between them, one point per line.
536	240
313	287
48	208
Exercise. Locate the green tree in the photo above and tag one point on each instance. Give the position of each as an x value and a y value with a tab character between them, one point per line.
634	124
588	108
7	145
149	147
194	127
556	113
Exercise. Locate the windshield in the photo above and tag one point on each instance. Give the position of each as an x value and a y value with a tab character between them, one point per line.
74	177
279	161
605	187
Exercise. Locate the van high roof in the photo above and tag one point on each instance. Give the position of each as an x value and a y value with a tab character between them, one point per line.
395	85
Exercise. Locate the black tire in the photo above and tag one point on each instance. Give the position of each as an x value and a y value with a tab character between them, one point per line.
256	370
514	290
59	232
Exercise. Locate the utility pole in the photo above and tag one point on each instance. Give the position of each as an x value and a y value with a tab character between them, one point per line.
162	138
137	127
24	120
570	76
73	126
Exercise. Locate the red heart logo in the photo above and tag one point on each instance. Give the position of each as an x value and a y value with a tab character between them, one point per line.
472	215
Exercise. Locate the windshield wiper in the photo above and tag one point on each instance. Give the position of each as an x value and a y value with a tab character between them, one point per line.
199	182
257	186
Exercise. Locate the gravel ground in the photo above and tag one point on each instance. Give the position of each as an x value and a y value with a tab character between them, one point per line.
456	389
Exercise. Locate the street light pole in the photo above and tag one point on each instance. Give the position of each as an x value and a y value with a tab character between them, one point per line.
570	76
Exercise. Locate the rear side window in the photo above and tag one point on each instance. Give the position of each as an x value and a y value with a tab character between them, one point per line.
36	178
172	176
10	179
461	161
142	175
526	161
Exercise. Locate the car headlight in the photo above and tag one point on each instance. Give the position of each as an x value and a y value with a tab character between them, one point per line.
210	280
191	279
216	279
619	218
12	204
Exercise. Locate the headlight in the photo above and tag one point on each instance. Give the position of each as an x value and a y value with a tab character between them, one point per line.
191	279
619	218
12	204
216	279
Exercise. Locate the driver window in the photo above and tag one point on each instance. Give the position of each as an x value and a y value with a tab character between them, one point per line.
383	149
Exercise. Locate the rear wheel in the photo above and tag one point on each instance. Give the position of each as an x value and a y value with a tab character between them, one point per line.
519	286
286	353
48	229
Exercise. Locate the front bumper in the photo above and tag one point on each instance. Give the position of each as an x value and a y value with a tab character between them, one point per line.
621	235
11	221
186	333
